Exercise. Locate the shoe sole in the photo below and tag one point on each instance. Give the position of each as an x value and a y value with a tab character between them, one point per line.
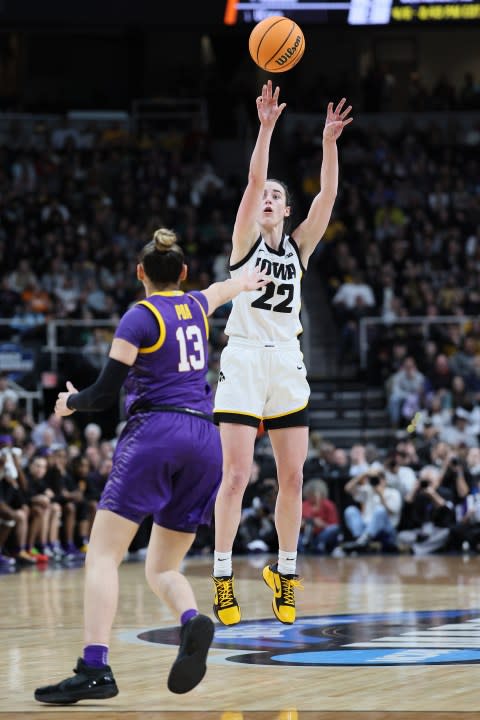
61	699
190	666
274	607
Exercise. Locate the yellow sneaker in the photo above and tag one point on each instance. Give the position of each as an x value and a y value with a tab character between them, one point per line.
288	715
283	587
225	606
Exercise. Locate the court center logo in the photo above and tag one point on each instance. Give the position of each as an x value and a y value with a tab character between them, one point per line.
431	637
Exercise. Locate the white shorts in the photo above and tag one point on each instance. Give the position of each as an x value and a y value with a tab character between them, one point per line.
262	382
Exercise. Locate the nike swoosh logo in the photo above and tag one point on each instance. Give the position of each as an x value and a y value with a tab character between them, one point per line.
278	586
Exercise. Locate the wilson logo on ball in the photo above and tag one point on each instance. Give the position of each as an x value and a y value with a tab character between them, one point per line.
289	52
276	44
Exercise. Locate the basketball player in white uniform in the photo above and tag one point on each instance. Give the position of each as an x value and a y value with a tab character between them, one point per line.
262	375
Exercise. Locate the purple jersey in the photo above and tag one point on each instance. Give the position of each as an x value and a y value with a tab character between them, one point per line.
170	330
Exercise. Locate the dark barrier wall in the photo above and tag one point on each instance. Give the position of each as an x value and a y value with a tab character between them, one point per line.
110	12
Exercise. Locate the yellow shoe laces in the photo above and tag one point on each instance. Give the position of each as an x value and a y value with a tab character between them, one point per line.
225	593
288	589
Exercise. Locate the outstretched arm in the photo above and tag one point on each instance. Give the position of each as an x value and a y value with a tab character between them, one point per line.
309	233
221	292
104	391
245	229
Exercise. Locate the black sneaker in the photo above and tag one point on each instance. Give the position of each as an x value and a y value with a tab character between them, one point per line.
190	664
89	683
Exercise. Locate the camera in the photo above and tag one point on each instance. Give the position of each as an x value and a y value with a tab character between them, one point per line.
375	480
454	462
424	484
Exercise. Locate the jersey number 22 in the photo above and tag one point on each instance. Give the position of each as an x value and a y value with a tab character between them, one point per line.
271	289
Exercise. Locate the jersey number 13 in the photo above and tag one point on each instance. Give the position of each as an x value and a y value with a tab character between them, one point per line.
190	345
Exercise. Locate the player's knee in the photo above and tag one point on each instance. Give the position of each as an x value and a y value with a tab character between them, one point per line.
291	481
102	559
158	579
235	480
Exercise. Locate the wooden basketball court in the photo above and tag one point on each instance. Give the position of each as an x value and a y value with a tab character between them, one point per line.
377	638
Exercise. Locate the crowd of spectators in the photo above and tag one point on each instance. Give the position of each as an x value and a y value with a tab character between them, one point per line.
51	478
76	206
419	497
404	240
404	247
381	90
403	243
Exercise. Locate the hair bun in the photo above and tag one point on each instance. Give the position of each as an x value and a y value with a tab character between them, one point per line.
164	239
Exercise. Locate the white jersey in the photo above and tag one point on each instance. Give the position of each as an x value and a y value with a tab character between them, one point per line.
272	313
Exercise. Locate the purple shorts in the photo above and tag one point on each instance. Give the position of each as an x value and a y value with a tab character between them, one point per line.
168	465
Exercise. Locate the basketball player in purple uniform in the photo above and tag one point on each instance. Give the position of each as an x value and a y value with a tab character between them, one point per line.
167	463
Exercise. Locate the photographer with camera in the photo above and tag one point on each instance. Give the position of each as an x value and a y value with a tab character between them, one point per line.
398	471
453	480
377	514
430	513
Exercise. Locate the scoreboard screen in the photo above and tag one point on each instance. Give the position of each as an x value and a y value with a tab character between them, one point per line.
354	12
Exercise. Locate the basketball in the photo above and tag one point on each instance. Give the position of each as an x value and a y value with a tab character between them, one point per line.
276	44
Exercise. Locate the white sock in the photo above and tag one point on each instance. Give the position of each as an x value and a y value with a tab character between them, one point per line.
287	562
222	564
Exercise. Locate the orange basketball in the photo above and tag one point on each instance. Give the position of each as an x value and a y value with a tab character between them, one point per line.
276	44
